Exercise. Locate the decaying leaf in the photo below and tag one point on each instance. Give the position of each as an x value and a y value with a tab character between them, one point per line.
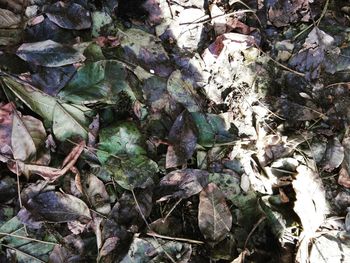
311	57
100	81
183	92
135	172
25	249
57	207
8	19
330	247
213	129
334	155
157	250
96	193
22	137
214	216
68	15
182	139
282	13
310	205
183	183
48	173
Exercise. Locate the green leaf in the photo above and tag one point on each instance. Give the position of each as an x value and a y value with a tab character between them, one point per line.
137	172
213	129
67	120
99	20
120	139
100	81
183	92
144	250
26	250
49	54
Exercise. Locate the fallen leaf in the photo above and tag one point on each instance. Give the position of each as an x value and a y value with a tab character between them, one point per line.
135	172
68	15
183	92
49	173
213	130
25	250
152	250
183	140
214	216
8	19
310	205
58	207
312	55
182	183
101	81
334	155
96	193
49	53
67	120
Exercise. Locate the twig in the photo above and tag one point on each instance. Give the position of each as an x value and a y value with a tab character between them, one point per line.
28	238
19	195
171	210
253	230
317	23
153	234
205	20
148	226
280	64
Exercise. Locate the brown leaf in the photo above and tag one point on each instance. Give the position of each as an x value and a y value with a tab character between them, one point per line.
183	140
214	216
344	178
50	173
182	183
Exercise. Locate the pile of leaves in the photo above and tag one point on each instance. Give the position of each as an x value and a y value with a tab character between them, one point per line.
174	131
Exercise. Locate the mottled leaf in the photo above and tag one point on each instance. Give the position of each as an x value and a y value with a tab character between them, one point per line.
26	251
152	250
213	129
52	80
95	191
58	207
22	137
183	92
49	53
68	15
183	183
144	49
312	55
182	139
137	171
100	81
214	216
122	138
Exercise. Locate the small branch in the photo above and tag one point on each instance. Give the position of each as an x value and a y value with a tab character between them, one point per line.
153	234
28	238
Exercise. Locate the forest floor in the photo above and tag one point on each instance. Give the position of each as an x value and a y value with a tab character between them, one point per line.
175	131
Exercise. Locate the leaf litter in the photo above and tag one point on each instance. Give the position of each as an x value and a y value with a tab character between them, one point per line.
161	131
